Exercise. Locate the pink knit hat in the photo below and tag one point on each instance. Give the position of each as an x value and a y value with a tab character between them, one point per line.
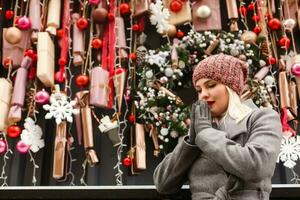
225	69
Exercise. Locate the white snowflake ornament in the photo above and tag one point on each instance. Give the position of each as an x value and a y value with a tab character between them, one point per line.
32	135
160	16
289	150
60	108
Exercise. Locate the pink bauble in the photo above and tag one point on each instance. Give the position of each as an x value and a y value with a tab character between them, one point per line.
296	69
22	147
94	2
24	23
3	146
42	97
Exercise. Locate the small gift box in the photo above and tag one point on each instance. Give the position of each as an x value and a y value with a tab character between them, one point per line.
5	96
45	62
99	89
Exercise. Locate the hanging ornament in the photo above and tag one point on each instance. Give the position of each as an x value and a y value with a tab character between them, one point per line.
97	43
179	34
251	6
257	29
127	161
59	77
22	147
131	118
171	32
13	131
274	24
13	35
111	17
82	23
132	56
9	14
243	11
3	146
42	97
176	6
285	42
100	15
24	23
289	24
295	69
135	28
82	80
203	12
255	18
271	60
124	8
249	37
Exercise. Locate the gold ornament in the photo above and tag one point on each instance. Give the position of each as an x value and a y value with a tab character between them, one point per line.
13	35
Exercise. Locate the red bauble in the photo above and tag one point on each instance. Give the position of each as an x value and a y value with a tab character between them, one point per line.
29	52
82	23
82	80
133	56
60	33
255	18
135	27
179	34
60	77
7	61
9	14
251	6
131	118
274	24
62	62
124	8
271	60
97	43
127	161
13	131
176	6
257	29
243	11
285	42
111	17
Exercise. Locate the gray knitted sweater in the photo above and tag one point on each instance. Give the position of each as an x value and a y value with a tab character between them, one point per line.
229	161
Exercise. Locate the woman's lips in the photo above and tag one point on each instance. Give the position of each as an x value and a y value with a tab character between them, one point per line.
210	103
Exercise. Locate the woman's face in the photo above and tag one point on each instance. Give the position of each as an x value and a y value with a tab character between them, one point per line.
215	94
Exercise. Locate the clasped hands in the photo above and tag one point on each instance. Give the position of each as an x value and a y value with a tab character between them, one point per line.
200	119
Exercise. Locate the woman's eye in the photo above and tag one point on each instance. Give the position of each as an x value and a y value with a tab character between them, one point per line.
211	85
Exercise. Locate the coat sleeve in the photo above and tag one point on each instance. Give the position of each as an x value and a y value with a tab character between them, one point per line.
254	161
172	172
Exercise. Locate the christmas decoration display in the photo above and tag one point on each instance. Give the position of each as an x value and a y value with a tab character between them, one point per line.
119	68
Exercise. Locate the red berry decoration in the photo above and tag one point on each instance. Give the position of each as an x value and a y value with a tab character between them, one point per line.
29	53
62	62
124	8
274	24
131	118
82	80
176	6
285	42
243	11
135	27
13	131
257	29
251	6
9	14
97	43
60	33
127	161
60	77
179	34
82	23
132	56
271	60
255	18
7	61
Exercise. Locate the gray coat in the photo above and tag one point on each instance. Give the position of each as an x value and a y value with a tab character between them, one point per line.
229	161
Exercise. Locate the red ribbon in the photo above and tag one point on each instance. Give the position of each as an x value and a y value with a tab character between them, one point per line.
284	121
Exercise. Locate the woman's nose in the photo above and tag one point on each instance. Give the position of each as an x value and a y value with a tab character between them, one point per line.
203	95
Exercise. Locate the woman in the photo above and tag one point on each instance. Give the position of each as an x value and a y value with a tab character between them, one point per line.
232	146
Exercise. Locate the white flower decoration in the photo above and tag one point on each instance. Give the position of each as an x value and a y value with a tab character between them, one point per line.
160	16
289	150
32	134
60	108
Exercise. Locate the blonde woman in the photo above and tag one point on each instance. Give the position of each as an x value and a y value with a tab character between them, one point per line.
232	146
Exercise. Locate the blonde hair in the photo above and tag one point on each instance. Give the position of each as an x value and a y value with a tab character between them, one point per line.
236	109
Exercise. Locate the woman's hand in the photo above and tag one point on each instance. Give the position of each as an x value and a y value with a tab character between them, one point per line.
192	133
202	117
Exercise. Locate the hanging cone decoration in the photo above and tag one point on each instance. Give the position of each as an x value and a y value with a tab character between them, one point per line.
119	82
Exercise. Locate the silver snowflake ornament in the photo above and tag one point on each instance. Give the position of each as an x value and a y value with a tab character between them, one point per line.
60	108
289	150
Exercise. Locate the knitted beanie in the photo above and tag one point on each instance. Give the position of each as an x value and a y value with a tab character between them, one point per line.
225	69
